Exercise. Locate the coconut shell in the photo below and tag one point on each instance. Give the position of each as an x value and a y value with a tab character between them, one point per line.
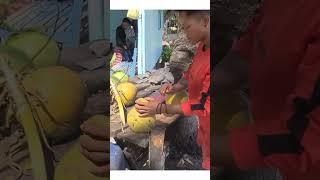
62	94
49	50
140	124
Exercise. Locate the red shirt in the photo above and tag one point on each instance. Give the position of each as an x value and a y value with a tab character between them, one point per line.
283	49
198	77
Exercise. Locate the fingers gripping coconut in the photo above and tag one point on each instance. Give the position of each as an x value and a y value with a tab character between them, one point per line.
139	122
95	144
172	105
88	158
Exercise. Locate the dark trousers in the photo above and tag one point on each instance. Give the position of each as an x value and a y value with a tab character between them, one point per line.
128	54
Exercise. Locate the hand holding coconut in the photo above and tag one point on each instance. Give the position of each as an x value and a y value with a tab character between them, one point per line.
151	107
147	107
95	144
166	89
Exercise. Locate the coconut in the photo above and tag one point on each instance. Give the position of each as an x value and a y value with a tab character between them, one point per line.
119	77
127	92
74	166
177	98
63	95
140	124
17	59
31	43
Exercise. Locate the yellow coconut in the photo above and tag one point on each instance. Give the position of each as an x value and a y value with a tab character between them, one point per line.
177	98
63	98
127	92
140	124
74	166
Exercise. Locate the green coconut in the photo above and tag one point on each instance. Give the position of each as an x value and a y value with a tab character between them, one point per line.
62	94
74	166
119	77
17	59
31	43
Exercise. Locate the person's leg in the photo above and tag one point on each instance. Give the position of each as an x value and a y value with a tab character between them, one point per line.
126	56
130	52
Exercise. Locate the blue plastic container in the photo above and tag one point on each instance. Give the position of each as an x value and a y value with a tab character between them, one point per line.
117	159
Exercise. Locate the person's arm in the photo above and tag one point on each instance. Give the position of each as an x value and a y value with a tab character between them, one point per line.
202	107
119	40
180	85
252	147
187	108
229	75
232	72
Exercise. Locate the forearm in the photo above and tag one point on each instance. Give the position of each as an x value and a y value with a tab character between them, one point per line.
170	109
180	85
231	73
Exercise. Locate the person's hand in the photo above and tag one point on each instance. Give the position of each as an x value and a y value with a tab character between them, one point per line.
95	147
148	108
167	89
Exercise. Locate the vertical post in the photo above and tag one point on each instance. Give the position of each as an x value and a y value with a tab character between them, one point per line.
107	19
76	22
141	43
96	19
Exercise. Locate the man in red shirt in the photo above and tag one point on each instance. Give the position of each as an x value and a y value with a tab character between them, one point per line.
280	57
196	25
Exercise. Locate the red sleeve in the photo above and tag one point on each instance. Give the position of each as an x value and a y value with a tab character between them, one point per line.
244	44
185	74
205	111
244	142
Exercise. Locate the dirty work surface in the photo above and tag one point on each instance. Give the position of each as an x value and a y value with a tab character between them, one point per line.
180	149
